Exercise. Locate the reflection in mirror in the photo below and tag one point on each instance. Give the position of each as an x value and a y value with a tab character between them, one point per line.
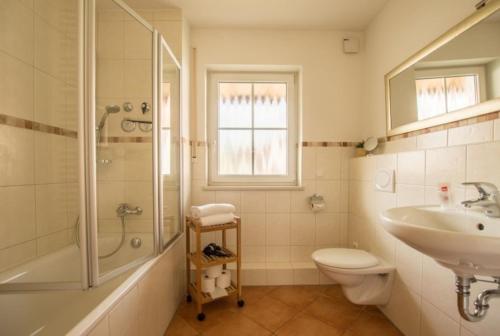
460	74
170	144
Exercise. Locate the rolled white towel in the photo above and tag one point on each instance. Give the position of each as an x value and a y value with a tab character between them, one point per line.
212	209
217	219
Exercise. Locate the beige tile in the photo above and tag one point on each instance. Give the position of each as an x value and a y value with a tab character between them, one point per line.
483	162
409	266
305	276
172	31
409	195
432	140
411	168
436	323
50	100
362	169
404	309
17	206
302	229
328	229
476	133
123	319
140	39
17	156
54	241
17	255
137	80
331	192
328	163
253	230
110	78
446	165
16	30
496	130
49	49
50	215
279	274
301	253
16	87
135	157
278	229
110	39
200	196
308	163
170	14
253	201
439	288
305	324
50	158
299	200
101	329
253	254
277	201
277	254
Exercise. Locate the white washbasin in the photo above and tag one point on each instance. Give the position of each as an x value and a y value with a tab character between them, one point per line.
467	242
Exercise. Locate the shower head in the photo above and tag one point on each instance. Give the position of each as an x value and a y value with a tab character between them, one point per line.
112	109
109	109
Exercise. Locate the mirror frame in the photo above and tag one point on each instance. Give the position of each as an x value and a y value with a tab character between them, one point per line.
486	107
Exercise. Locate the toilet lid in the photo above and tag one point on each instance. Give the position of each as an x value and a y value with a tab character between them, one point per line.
345	258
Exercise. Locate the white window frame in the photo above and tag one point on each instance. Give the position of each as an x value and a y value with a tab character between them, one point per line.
293	121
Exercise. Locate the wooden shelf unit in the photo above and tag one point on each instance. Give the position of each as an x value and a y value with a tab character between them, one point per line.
202	261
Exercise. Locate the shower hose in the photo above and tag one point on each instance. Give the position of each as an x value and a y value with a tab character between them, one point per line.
77	237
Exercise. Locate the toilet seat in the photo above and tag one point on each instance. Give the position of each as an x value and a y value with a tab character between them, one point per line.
345	258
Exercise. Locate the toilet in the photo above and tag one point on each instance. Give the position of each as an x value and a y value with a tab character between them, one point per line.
365	278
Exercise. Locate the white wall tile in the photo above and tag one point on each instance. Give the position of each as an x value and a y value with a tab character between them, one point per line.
278	229
411	168
483	162
331	191
253	201
328	163
496	130
17	254
302	229
432	140
17	223
409	266
277	201
328	229
481	132
17	164
445	165
409	195
436	323
308	163
253	231
277	254
299	200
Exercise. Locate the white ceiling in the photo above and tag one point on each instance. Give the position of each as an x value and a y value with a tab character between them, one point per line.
308	14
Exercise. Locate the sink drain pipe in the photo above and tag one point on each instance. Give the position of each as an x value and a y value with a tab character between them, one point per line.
481	303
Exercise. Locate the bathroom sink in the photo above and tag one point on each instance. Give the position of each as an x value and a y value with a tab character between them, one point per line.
467	242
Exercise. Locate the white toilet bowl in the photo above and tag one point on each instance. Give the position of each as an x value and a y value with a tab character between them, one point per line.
365	279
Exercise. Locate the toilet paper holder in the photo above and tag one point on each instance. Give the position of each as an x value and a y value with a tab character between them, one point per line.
317	202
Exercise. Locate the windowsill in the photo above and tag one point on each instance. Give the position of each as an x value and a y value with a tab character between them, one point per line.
251	187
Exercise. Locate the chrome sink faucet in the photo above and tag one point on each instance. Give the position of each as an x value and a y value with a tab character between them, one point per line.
488	198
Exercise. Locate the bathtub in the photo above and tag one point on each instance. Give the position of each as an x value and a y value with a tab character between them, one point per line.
76	312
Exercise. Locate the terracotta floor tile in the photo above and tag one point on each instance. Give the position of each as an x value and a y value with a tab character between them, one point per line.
334	312
254	293
296	296
269	312
304	324
212	312
370	324
179	327
235	324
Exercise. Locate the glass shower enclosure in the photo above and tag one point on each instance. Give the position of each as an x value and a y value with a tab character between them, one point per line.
104	133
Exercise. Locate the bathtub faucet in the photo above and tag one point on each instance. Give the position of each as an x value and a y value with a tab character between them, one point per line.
124	209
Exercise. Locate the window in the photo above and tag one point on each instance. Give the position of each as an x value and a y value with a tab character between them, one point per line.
441	95
252	128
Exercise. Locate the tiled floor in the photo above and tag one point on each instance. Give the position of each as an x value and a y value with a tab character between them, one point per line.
284	310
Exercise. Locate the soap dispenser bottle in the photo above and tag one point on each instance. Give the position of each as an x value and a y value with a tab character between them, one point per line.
444	196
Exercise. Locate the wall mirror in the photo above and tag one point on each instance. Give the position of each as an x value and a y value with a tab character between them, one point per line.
455	77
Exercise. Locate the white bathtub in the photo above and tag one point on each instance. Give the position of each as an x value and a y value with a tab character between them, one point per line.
74	311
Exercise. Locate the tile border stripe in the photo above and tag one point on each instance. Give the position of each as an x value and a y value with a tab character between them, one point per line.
8	120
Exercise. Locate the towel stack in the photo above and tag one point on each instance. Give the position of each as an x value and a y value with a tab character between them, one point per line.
213	214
